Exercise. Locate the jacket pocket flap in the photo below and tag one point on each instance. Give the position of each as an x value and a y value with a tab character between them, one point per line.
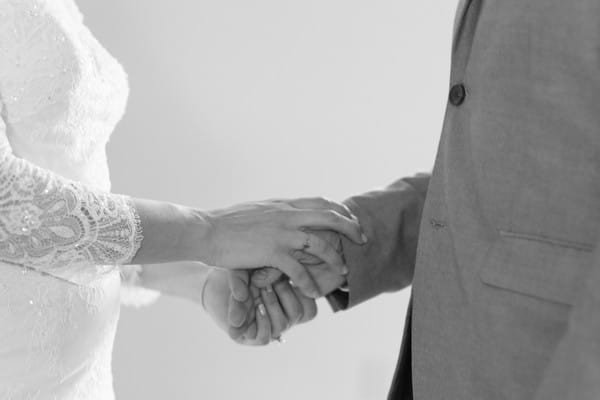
539	267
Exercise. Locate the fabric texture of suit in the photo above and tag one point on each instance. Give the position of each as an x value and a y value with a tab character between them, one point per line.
500	243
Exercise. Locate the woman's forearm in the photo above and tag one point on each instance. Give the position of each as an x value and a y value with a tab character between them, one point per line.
182	279
246	236
172	233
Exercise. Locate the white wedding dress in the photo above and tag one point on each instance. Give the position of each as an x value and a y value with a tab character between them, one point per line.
62	235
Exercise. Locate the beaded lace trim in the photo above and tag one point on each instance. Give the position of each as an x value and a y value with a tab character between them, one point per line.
61	227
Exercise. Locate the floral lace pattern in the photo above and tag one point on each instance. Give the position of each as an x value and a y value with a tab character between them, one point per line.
53	225
63	237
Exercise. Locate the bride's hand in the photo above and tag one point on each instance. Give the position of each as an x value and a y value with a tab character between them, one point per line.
266	313
254	235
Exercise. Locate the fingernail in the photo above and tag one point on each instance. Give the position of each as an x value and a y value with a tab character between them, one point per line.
364	238
269	288
262	310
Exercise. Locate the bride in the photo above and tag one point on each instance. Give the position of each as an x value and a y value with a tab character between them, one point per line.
67	245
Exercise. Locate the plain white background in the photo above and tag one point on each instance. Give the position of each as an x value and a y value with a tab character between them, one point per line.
234	100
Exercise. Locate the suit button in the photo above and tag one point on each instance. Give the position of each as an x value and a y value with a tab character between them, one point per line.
457	94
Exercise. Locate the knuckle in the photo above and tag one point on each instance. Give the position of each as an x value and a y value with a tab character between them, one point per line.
324	201
331	215
346	209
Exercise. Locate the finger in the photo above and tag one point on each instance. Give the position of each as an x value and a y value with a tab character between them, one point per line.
323	204
306	259
247	329
277	317
324	250
255	299
309	306
298	274
238	311
238	284
292	307
327	219
245	334
237	333
263	277
263	336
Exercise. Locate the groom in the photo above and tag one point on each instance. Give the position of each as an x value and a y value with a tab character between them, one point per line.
500	243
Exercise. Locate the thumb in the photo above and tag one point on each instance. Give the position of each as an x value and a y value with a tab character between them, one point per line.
237	313
238	284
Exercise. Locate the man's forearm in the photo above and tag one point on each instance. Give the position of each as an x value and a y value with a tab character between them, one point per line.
391	218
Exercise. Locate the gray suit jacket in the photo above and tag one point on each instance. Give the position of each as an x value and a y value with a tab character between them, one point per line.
501	242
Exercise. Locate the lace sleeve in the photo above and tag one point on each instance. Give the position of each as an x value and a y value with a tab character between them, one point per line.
61	227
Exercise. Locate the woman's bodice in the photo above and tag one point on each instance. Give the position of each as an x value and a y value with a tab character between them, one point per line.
63	93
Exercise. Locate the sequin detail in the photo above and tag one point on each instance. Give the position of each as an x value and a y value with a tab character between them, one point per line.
62	227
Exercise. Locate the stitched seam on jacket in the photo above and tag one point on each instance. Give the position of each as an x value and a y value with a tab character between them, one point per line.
547	240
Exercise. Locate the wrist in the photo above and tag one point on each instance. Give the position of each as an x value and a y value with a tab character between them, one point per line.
197	239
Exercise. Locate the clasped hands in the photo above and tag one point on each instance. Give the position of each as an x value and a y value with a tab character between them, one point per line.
262	304
271	260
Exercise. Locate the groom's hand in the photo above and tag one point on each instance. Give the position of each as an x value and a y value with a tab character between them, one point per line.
265	313
217	300
327	278
285	305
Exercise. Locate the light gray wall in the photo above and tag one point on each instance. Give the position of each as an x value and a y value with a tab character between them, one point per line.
235	100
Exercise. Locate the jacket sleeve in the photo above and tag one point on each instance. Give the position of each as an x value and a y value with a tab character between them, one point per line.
574	369
391	218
